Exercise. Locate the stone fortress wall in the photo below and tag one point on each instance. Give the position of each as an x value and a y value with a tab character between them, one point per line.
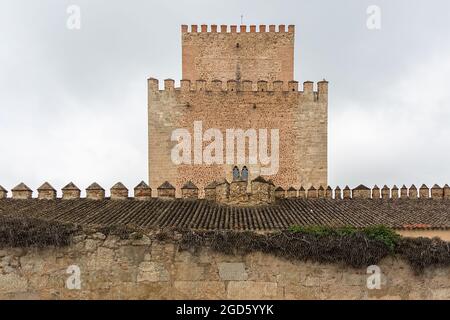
110	268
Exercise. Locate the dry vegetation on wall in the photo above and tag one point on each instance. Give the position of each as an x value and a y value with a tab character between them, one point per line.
349	246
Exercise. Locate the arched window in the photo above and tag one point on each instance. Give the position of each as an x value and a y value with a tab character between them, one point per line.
244	174
236	175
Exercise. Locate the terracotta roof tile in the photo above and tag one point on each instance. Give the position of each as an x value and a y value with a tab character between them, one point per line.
204	215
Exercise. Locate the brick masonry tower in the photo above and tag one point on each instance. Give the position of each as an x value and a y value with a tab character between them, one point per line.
244	55
239	77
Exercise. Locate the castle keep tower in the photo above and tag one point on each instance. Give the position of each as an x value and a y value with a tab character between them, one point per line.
239	78
244	55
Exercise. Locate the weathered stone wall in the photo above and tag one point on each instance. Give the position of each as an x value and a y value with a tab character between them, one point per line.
300	117
148	269
264	55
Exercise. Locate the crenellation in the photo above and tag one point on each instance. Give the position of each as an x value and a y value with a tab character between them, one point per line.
3	193
361	192
95	192
413	194
213	28
232	86
22	192
338	193
262	86
46	192
312	193
321	192
385	192
153	85
293	86
142	191
119	192
424	192
394	191
291	193
238	192
166	191
446	191
376	194
347	193
322	90
71	192
437	192
329	193
302	193
404	192
217	85
280	193
169	85
185	85
189	191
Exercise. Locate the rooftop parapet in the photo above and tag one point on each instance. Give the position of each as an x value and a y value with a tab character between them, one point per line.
46	192
189	191
361	192
71	192
119	191
95	192
166	191
233	87
22	192
204	28
262	191
3	193
142	191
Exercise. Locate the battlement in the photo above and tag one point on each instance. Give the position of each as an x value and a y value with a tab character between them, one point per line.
204	28
235	192
234	86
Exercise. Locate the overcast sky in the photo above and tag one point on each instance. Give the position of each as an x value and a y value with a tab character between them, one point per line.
73	102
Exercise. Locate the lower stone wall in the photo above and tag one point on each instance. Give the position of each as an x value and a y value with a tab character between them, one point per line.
110	268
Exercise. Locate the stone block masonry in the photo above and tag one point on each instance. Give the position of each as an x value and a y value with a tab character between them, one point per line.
111	268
